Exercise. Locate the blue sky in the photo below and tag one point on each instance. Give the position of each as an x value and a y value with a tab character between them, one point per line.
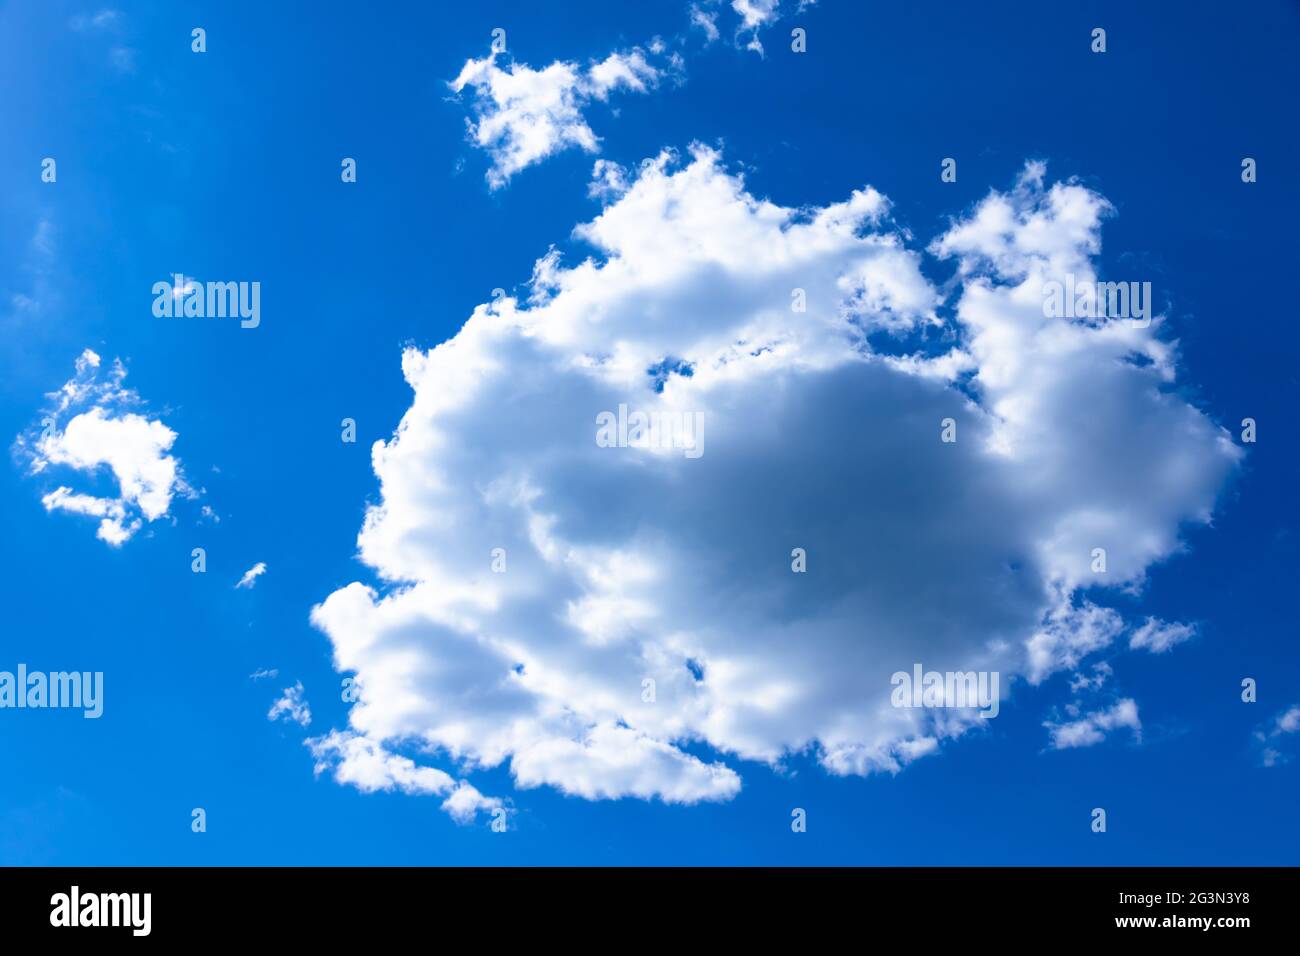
226	165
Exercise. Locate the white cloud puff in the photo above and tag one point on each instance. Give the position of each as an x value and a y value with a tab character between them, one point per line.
641	627
522	115
105	436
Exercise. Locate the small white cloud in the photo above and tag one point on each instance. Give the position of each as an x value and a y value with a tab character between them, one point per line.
1289	721
706	20
1093	728
105	437
1271	738
522	115
262	674
1159	636
1101	671
1067	635
608	180
251	575
750	17
757	15
291	706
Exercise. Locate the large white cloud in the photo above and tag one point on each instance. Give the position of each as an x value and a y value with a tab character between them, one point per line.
105	435
821	431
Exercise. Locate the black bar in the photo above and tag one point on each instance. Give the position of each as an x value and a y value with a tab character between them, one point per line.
369	905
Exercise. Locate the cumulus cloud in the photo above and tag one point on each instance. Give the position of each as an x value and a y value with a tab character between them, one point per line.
522	115
251	575
103	436
1093	728
291	706
644	628
1273	736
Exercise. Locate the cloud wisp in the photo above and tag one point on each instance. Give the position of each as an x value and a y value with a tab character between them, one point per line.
249	579
292	706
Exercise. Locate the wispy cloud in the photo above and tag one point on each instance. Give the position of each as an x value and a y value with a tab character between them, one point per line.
251	575
39	264
102	20
1159	636
291	706
108	23
122	59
